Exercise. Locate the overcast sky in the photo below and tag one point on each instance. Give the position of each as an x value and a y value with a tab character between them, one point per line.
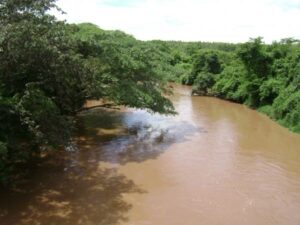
190	20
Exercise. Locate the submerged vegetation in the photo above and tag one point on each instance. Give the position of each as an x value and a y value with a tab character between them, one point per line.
49	68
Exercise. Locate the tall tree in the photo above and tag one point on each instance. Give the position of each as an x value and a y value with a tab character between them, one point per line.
48	69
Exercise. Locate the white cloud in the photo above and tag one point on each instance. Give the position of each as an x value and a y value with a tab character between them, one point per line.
190	20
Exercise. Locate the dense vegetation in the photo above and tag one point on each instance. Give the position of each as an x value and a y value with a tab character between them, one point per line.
264	77
48	69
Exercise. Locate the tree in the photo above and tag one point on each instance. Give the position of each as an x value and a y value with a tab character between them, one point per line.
41	77
255	58
48	69
126	71
203	83
206	61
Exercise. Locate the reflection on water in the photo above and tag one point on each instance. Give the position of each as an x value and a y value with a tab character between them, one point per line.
214	163
83	194
139	136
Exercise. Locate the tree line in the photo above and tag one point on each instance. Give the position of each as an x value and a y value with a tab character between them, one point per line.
263	77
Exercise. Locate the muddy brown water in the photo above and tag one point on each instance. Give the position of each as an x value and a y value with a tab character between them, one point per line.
215	163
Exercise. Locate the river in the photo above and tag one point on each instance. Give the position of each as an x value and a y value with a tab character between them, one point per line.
214	163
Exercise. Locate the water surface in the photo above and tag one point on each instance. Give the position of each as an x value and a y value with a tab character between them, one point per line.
215	163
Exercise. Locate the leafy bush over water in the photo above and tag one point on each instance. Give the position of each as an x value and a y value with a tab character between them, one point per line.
48	69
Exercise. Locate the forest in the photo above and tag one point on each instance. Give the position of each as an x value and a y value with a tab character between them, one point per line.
49	69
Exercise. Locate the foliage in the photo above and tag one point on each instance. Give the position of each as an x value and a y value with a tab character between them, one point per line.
264	77
48	69
205	61
229	83
128	72
255	58
203	83
286	108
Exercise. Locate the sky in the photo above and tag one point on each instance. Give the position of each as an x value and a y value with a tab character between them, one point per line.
190	20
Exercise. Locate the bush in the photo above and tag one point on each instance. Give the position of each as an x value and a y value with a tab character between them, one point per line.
203	83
